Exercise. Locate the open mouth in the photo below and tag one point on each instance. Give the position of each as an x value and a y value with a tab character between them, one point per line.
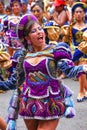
41	37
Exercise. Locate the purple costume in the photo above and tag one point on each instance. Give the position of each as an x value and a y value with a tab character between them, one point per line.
44	95
11	37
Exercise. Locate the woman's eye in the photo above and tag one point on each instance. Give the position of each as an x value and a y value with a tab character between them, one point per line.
33	31
40	28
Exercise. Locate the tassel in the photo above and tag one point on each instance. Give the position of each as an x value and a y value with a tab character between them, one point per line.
11	125
13	111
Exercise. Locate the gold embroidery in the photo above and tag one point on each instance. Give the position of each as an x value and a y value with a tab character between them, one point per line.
79	37
83	45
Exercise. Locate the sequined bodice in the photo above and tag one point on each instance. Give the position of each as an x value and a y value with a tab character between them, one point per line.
41	76
77	36
40	72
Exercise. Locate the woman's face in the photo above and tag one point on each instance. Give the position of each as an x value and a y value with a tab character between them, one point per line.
38	12
37	35
8	12
59	8
16	8
1	7
79	14
24	7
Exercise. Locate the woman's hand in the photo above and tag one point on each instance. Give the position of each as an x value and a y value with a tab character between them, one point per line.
55	16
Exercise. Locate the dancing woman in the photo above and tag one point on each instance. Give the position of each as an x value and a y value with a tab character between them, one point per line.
44	98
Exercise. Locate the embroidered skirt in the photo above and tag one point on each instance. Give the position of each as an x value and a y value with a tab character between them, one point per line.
47	108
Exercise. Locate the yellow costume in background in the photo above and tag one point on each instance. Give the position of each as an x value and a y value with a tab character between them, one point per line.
83	45
53	31
5	61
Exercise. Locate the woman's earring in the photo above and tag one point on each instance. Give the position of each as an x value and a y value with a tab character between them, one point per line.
29	42
74	20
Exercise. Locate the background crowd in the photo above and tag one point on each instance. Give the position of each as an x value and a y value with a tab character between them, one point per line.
62	21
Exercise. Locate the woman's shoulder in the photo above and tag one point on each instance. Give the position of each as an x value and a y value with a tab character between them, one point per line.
62	50
62	44
58	45
63	12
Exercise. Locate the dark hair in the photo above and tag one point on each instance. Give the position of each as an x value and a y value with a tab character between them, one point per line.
38	3
28	27
27	30
81	8
1	1
8	7
15	1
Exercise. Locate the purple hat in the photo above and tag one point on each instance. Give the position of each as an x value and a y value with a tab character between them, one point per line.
21	26
15	0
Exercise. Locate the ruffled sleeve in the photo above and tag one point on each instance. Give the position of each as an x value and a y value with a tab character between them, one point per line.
63	58
62	50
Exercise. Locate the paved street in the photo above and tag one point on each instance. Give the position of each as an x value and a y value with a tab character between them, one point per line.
79	122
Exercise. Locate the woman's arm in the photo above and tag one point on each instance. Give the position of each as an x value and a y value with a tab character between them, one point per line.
67	66
63	58
18	76
10	84
62	18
